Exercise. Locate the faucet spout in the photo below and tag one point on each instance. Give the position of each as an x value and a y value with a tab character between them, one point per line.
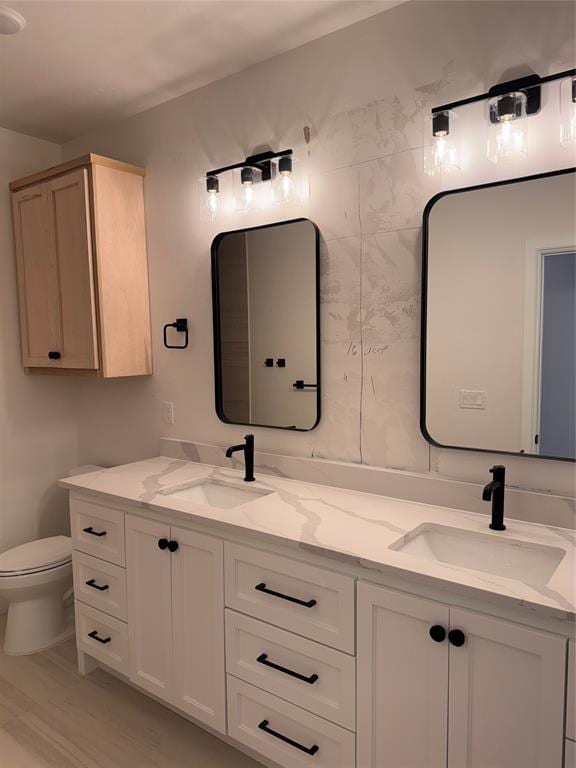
248	449
494	492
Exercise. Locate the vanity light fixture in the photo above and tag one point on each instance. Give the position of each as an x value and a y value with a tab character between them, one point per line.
256	181
568	111
509	104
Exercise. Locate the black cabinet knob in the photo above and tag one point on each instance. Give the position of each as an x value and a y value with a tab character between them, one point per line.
163	543
54	355
437	633
457	637
172	546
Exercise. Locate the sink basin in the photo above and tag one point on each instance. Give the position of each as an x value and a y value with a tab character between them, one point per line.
521	560
213	493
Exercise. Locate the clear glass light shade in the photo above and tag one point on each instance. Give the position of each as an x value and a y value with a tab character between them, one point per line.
568	112
290	182
442	153
247	190
210	198
507	131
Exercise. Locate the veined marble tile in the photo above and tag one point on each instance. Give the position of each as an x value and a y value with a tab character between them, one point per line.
334	203
394	191
390	344
338	434
374	130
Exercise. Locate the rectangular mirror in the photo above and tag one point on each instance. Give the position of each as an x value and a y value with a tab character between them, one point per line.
266	325
499	317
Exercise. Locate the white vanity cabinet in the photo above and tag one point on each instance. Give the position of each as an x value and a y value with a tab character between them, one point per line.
492	695
176	617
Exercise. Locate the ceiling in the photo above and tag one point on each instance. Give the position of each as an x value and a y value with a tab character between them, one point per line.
81	64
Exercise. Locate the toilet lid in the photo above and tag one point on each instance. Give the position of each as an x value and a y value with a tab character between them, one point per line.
37	555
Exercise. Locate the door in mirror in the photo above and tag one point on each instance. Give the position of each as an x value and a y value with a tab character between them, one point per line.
266	325
499	317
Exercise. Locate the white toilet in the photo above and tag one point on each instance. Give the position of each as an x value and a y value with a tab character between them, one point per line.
36	580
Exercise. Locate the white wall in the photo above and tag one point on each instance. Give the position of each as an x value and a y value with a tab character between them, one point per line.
363	92
38	436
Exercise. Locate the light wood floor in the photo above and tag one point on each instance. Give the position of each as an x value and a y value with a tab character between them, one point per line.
51	717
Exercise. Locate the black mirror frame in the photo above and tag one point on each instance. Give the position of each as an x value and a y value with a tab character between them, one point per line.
424	310
217	332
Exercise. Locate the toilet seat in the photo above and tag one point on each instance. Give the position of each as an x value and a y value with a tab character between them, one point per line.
36	556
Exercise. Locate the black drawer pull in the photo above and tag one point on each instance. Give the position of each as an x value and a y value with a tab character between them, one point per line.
94	636
92	583
309	750
92	532
306	603
263	659
172	546
54	355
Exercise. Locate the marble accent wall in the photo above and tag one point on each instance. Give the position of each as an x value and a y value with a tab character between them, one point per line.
361	95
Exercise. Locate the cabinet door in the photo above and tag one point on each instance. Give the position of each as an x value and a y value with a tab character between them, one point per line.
198	626
402	681
38	282
149	606
506	695
69	210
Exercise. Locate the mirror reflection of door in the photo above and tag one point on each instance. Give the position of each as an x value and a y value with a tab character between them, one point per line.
265	292
557	412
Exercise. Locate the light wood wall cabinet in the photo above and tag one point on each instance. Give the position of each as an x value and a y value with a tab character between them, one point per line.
82	269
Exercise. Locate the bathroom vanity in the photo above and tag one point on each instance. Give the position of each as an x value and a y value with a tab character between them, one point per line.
316	626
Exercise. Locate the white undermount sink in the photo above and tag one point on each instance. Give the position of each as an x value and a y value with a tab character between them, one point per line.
490	553
214	493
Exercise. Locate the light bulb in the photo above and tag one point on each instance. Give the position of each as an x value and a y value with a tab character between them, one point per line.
507	141
247	195
212	203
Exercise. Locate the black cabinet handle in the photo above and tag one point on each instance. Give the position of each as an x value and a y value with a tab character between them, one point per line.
172	546
437	633
263	659
306	603
309	750
300	384
457	637
163	543
92	583
54	355
92	532
94	636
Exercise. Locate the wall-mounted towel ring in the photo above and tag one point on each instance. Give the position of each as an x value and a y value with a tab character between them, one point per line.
181	325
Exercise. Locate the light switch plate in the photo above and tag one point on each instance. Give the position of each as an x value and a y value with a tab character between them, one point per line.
472	398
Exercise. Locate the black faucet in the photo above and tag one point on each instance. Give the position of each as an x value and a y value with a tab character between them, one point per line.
494	492
248	448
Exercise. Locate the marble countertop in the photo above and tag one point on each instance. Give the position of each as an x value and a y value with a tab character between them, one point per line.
353	527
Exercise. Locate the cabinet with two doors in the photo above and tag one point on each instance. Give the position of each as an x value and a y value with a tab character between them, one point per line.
80	242
307	666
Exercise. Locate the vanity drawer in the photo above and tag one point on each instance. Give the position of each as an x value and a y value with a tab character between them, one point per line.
301	598
298	738
571	702
102	636
100	584
312	676
97	530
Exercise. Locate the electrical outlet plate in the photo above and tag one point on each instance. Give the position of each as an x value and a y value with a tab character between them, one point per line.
472	398
168	409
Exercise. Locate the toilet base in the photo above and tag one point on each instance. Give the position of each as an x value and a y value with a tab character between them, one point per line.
36	625
39	612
